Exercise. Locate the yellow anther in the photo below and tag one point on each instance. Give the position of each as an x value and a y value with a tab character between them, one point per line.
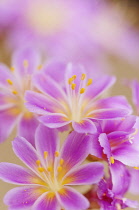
56	153
61	161
38	162
12	68
82	90
74	77
70	81
59	168
14	92
41	169
39	67
49	169
112	160
89	82
9	81
25	63
73	86
45	154
137	168
83	76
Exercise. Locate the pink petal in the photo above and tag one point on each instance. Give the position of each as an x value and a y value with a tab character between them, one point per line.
31	58
86	126
87	174
26	128
55	120
15	174
75	149
26	152
4	75
40	104
23	197
73	200
46	139
46	202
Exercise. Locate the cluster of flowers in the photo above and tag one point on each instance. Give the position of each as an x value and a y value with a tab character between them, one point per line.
66	95
41	102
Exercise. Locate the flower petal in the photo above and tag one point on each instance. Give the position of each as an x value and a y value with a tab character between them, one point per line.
49	86
8	123
86	126
25	61
26	152
99	86
73	200
40	104
23	197
127	154
46	202
15	174
55	120
4	75
134	184
87	174
46	139
75	149
135	93
120	178
26	128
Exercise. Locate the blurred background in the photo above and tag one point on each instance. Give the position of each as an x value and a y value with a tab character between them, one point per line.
101	35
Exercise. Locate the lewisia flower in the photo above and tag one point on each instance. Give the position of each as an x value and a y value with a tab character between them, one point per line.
13	84
116	140
107	198
73	101
52	170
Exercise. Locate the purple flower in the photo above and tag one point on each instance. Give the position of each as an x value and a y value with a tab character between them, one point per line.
117	140
109	193
52	170
71	99
13	84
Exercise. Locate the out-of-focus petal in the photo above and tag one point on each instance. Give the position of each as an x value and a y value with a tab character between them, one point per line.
135	94
87	174
8	122
134	184
86	126
5	75
26	128
71	199
25	61
23	197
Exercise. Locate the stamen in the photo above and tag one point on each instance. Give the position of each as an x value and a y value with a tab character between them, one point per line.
59	169
12	68
70	81
56	153
137	168
112	160
49	169
82	90
83	76
25	63
61	161
38	162
39	67
14	92
136	131
41	169
89	82
74	77
9	81
45	154
73	86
